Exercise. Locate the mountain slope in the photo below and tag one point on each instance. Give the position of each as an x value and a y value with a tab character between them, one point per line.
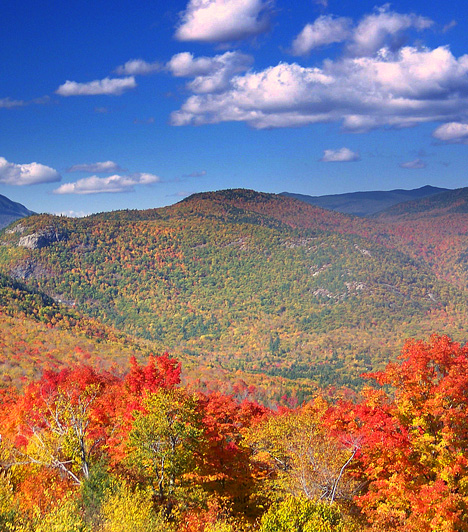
243	281
11	211
366	203
441	204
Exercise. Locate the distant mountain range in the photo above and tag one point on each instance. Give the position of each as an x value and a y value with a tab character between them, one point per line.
444	203
363	204
11	211
366	203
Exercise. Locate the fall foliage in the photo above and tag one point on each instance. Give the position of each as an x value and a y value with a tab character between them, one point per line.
85	449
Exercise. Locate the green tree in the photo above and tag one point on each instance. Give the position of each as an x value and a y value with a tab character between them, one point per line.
164	440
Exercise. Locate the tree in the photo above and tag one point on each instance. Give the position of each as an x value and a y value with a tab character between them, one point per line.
299	514
414	440
164	440
300	458
57	425
127	510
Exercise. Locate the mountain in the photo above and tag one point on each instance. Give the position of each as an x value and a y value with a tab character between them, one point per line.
11	211
366	203
242	281
441	204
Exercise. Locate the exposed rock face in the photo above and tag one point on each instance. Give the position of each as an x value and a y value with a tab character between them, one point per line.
18	228
41	239
30	270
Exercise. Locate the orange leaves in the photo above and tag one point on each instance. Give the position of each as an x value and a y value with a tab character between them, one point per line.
160	372
414	440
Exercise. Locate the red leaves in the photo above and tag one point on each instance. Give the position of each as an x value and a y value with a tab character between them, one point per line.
414	441
160	372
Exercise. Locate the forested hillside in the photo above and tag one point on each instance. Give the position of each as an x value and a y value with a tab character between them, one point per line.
259	419
245	281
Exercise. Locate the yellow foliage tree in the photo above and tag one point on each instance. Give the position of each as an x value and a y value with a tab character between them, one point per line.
300	458
129	510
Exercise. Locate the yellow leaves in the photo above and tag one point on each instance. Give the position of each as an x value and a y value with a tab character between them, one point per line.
301	457
294	514
64	517
129	510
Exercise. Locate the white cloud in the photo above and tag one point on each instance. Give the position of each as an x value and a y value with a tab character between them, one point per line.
223	20
103	167
453	132
384	28
414	165
325	30
111	184
212	74
400	89
26	174
343	155
138	67
106	86
8	103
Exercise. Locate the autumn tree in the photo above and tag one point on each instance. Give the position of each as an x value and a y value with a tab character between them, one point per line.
58	424
414	440
164	440
300	458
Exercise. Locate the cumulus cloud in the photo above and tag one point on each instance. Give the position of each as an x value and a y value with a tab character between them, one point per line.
112	184
26	174
414	165
223	20
343	155
400	89
453	132
108	86
384	28
325	30
138	67
103	167
212	74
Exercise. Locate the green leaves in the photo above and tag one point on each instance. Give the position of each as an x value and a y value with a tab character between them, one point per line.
164	438
296	514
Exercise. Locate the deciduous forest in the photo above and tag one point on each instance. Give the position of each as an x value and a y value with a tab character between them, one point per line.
236	362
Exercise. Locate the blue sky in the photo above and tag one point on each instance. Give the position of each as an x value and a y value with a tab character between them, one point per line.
110	105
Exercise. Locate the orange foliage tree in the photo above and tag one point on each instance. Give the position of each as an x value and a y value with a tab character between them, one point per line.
414	437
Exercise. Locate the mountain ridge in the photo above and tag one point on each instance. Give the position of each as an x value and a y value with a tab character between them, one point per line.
11	211
441	204
366	203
